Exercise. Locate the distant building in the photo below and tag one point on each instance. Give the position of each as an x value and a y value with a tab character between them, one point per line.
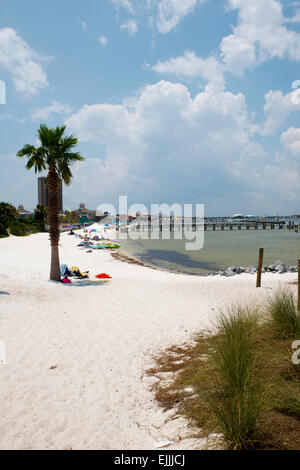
43	194
85	215
83	210
23	212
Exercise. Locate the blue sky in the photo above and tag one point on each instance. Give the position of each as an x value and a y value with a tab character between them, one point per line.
186	101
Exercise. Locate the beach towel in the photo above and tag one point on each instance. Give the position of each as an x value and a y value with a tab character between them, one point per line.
103	276
63	268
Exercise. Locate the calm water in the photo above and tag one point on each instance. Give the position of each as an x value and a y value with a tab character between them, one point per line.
221	250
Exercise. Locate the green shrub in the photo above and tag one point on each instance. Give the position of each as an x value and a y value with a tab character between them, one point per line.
8	214
39	226
236	396
40	215
282	314
18	229
3	231
21	229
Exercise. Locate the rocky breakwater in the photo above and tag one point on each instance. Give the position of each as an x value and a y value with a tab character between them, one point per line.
277	267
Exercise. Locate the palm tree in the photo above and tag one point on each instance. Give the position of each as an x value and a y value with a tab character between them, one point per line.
54	155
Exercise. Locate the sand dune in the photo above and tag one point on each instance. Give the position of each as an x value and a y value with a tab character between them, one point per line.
76	356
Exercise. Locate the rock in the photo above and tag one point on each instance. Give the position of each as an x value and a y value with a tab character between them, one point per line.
275	267
271	268
235	270
252	269
229	273
280	267
239	270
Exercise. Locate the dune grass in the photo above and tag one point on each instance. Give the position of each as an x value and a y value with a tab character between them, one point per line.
282	313
238	381
289	402
237	392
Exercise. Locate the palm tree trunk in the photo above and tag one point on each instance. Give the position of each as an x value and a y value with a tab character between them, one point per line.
55	265
53	181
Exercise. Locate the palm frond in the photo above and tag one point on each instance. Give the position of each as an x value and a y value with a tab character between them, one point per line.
69	142
59	131
74	157
37	161
55	151
64	172
26	151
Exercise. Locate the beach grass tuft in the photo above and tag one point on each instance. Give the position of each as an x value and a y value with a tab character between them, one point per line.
282	314
289	402
237	393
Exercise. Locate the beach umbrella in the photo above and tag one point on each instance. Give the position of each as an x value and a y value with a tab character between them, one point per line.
95	226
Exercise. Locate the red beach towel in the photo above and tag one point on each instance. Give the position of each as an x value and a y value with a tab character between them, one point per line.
103	276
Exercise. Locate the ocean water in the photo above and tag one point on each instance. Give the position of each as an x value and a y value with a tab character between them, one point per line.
221	250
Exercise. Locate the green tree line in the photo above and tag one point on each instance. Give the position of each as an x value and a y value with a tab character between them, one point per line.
12	223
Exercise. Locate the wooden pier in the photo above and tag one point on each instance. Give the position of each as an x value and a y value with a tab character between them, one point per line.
215	225
249	225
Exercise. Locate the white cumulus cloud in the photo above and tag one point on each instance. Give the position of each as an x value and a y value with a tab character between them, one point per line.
278	107
171	12
45	113
291	140
22	62
189	65
162	140
261	35
165	14
131	27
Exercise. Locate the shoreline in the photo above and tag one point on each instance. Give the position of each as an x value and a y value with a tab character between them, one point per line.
219	253
125	257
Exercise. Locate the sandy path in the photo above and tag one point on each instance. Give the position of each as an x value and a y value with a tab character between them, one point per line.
100	339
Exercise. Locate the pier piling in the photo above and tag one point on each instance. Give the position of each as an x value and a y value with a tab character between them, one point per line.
259	268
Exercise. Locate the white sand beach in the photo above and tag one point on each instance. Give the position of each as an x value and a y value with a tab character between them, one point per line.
76	356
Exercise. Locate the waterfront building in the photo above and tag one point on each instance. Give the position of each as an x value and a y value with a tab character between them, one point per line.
43	194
